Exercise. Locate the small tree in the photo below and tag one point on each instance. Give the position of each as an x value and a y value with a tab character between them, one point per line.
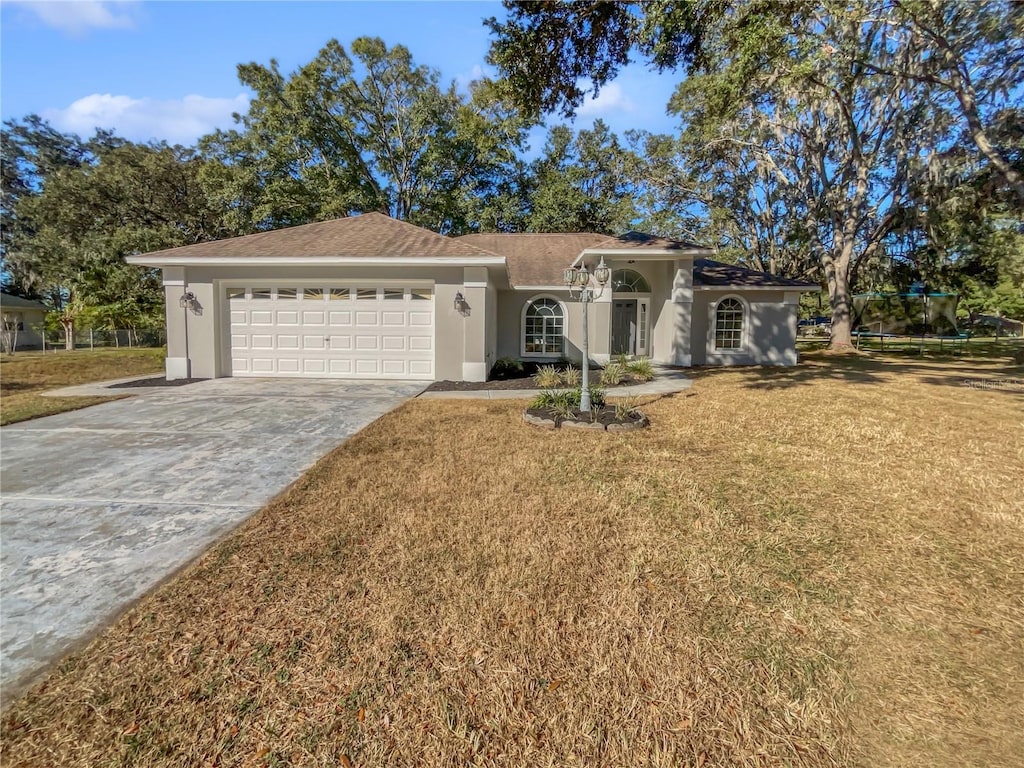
10	333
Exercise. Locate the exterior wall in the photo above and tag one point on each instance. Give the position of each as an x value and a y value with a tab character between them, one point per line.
208	326
31	320
491	349
511	304
474	290
769	328
672	308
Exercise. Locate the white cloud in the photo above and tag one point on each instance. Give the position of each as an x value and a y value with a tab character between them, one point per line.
178	121
611	99
78	17
464	79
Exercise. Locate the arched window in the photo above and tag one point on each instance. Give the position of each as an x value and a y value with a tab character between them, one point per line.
543	328
629	281
729	324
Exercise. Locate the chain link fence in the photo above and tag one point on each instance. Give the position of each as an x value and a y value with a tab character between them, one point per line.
127	338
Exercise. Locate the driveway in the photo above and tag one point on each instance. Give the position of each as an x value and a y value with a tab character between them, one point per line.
100	505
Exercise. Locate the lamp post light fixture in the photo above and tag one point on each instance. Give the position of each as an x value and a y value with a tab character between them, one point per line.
578	280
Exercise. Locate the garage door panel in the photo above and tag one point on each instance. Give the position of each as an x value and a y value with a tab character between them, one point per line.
368	367
294	331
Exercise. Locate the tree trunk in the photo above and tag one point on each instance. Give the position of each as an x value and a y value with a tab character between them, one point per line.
837	278
68	325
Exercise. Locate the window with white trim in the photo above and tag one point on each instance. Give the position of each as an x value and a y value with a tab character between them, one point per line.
641	327
629	281
543	328
729	324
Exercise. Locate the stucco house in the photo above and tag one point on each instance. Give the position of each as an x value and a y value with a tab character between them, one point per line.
23	319
372	297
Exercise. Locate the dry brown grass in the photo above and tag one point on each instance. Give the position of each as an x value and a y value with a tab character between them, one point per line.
26	375
816	567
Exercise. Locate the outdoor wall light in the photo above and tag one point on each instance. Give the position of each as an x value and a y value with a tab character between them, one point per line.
459	301
187	299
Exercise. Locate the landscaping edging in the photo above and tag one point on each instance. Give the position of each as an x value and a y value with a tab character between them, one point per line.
547	420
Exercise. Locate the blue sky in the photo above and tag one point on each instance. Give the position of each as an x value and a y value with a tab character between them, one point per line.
167	70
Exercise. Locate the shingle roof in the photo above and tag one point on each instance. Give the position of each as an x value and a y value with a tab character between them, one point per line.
535	259
713	274
643	240
370	235
16	302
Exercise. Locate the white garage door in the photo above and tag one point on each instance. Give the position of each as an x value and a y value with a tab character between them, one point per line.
359	332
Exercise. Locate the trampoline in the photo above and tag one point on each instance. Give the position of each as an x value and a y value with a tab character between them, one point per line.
920	316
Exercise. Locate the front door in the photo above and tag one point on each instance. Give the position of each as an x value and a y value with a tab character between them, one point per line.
624	327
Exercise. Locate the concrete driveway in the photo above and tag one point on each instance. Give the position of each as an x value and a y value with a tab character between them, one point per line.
99	505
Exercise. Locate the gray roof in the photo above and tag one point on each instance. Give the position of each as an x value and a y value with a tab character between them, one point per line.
368	235
535	258
16	302
715	274
640	240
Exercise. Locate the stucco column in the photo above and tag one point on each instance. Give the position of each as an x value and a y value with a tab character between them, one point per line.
177	363
681	311
474	312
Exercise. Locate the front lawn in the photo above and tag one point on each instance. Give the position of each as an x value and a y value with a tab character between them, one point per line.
25	375
820	566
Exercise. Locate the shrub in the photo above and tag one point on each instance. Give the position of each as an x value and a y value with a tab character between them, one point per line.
547	377
641	369
613	374
597	398
562	401
554	399
507	368
625	408
572	376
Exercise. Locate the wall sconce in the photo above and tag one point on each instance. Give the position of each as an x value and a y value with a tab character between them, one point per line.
459	301
187	299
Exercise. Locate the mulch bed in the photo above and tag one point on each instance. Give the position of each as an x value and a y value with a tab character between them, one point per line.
474	386
521	382
156	381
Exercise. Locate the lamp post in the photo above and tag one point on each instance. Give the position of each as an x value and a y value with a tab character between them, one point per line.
578	281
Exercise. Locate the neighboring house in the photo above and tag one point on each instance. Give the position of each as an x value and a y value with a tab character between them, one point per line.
23	319
373	297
